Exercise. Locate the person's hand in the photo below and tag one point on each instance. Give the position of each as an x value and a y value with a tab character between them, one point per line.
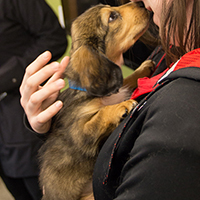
39	102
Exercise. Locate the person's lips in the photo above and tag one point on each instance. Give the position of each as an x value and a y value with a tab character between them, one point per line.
147	7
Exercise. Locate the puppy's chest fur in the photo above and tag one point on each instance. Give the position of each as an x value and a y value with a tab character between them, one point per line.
79	108
70	124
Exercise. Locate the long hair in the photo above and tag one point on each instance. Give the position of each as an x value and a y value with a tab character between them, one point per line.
174	30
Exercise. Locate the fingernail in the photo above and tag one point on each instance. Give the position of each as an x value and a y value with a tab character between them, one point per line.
58	104
55	65
46	55
60	83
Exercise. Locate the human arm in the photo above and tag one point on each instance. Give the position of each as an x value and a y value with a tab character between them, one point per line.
39	102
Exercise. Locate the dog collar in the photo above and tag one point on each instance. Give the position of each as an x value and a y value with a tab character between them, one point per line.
74	87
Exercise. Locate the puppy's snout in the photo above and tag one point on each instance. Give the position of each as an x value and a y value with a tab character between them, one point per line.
140	4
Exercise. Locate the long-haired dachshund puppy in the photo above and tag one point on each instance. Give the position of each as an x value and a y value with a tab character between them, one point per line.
99	37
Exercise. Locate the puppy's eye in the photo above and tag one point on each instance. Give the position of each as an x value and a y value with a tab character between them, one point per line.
113	16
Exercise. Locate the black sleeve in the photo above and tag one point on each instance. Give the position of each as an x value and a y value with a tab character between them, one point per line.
41	24
165	159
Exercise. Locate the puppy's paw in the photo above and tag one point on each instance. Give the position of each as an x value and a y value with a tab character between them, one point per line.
114	114
146	68
126	107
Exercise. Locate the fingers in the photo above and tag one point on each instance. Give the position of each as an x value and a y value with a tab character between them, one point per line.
59	74
49	91
29	86
41	123
47	114
64	62
34	81
46	93
36	65
36	74
39	101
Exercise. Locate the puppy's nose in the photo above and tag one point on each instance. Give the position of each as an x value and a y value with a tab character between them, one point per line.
141	4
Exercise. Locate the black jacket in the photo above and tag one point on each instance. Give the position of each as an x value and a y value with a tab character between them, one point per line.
155	153
27	28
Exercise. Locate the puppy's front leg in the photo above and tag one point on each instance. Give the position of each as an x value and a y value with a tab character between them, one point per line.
108	118
87	193
144	70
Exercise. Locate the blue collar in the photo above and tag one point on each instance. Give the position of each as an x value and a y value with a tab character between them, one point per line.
74	87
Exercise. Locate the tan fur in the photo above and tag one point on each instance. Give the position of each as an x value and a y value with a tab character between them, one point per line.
87	118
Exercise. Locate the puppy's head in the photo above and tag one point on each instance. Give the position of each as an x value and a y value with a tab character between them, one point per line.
99	37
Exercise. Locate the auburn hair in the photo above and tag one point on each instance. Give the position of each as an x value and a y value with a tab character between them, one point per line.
174	30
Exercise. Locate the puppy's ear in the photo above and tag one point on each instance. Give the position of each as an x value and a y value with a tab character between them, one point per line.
92	70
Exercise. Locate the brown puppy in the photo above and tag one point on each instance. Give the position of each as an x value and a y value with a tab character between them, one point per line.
99	37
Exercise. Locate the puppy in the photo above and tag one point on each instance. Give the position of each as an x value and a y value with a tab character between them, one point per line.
99	37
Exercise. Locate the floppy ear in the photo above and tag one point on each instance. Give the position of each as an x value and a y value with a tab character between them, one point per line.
92	70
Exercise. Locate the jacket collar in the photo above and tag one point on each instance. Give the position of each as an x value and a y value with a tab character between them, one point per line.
189	60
